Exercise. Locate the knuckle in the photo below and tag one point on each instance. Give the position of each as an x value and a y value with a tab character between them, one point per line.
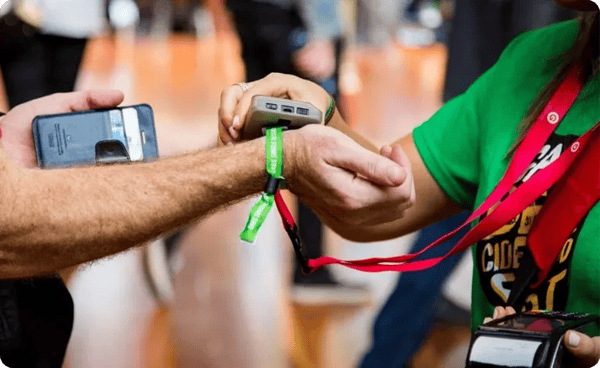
372	167
225	92
273	75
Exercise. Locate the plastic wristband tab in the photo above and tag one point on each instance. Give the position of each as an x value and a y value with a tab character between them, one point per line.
330	110
274	166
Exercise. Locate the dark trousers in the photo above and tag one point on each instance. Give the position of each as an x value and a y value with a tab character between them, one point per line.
270	35
40	66
409	312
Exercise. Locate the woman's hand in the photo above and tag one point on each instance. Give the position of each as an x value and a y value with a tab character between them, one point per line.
585	349
235	103
17	137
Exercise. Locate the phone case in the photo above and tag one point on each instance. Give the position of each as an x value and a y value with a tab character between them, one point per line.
268	112
94	136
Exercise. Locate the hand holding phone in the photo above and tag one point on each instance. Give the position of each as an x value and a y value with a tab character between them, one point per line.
268	112
95	136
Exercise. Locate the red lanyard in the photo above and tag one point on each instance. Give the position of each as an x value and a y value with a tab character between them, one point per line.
501	211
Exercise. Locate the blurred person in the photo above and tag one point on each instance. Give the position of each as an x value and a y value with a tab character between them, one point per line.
53	219
42	44
393	344
458	156
378	21
303	38
481	29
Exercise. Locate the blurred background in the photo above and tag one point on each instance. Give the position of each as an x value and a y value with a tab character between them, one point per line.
200	297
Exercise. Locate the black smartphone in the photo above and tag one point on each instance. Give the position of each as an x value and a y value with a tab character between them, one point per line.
92	137
530	340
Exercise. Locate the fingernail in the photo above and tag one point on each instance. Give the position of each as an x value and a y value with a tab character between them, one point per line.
495	315
236	121
234	134
395	175
574	339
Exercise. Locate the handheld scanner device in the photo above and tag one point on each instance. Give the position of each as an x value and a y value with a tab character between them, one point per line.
269	112
526	340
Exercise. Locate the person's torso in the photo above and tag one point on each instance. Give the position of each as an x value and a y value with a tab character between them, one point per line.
574	281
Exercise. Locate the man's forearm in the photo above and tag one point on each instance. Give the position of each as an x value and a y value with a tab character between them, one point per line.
57	218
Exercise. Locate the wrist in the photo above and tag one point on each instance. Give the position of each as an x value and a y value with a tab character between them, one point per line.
289	155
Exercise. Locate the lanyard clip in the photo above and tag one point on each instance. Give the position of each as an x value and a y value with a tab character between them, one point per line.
272	185
299	249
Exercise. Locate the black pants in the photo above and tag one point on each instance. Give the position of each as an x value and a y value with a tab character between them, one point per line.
270	35
40	65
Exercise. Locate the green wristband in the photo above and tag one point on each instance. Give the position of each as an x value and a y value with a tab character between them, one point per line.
274	166
330	110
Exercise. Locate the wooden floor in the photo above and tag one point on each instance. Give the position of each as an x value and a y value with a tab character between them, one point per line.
232	307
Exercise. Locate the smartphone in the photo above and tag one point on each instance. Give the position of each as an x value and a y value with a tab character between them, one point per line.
267	112
92	137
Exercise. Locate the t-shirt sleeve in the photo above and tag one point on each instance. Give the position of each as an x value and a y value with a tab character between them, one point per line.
452	142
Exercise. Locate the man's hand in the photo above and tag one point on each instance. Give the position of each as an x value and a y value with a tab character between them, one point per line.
585	349
345	183
17	138
316	60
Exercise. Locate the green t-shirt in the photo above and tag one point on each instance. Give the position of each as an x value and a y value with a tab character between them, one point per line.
464	146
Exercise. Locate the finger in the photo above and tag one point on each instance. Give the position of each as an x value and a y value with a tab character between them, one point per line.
77	101
224	136
102	99
234	133
399	156
386	151
499	312
229	100
510	310
487	320
371	166
585	349
274	85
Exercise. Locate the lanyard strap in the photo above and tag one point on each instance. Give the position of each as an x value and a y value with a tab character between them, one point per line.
568	203
274	166
504	211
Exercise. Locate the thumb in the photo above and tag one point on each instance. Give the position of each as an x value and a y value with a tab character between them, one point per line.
93	99
372	166
585	349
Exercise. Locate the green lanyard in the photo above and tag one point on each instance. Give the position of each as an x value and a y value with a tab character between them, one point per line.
274	166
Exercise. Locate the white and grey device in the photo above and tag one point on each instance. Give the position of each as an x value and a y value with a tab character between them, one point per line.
268	112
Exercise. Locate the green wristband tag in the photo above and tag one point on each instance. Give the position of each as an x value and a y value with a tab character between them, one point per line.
274	166
274	152
257	217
